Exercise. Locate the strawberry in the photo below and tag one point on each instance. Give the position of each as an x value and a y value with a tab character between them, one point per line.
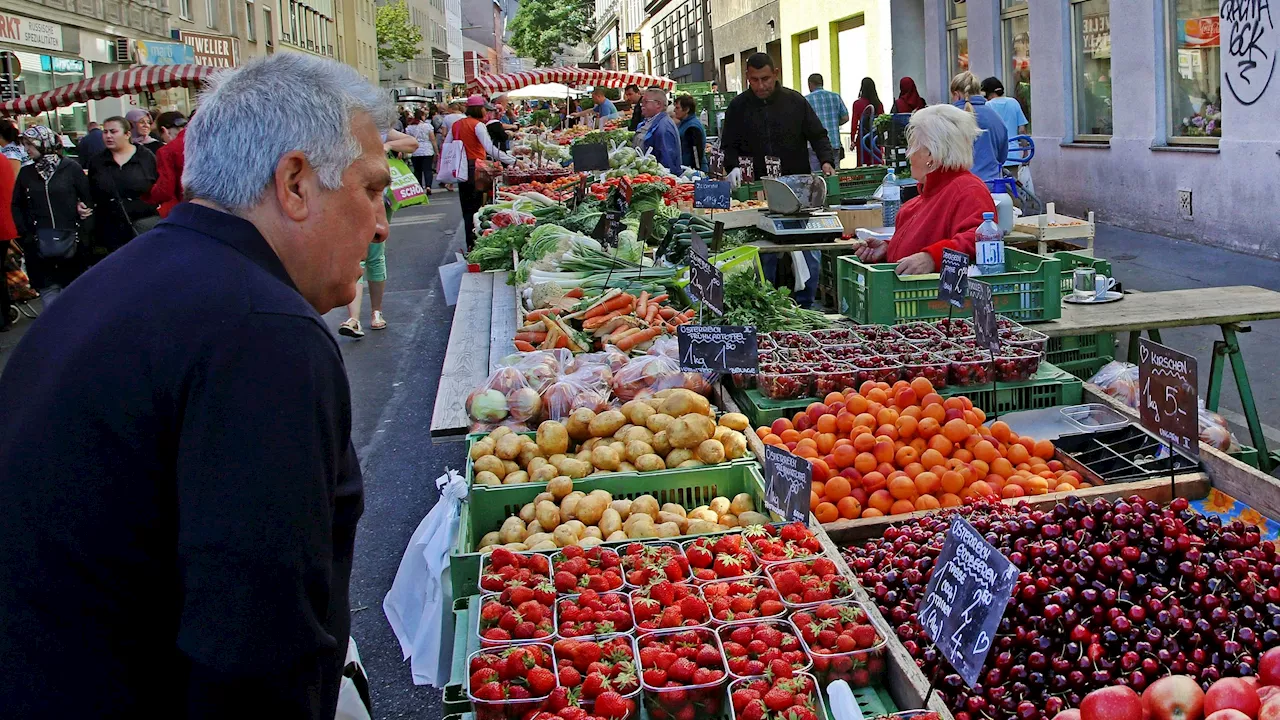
501	675
842	642
779	698
771	646
718	558
683	673
612	706
651	562
807	582
668	605
770	544
503	568
793	697
596	568
541	681
594	684
745	598
592	613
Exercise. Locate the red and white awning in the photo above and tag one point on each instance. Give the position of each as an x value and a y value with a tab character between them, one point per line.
147	78
572	76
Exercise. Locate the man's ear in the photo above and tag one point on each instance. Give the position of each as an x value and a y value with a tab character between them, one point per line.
291	187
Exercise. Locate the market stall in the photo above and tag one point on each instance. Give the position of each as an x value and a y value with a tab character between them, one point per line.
572	76
147	78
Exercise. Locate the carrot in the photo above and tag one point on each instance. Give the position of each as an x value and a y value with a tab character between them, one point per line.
653	313
540	314
532	337
667	313
616	303
600	320
636	338
524	346
622	335
562	341
575	293
642	307
658	298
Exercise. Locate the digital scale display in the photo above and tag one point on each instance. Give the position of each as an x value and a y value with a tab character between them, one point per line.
820	224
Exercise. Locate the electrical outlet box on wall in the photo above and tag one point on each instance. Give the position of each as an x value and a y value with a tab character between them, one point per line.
1184	204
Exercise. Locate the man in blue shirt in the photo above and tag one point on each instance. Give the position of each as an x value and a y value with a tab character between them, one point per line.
658	132
602	108
991	148
832	112
1010	112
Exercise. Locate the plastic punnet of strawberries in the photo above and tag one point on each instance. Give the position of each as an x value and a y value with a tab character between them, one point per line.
803	583
600	675
666	605
787	696
574	569
754	648
510	682
720	558
842	642
647	563
514	615
683	674
743	599
503	567
592	613
773	543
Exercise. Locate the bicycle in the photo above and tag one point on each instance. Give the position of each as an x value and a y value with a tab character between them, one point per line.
1023	198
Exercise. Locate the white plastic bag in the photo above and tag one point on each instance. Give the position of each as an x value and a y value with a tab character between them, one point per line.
1024	177
451	279
453	161
419	605
353	695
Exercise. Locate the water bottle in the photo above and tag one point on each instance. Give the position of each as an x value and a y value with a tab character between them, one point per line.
990	246
890	198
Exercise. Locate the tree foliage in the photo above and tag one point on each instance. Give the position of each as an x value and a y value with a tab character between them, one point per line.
541	27
398	38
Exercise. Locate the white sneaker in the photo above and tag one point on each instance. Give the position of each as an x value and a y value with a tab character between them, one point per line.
378	322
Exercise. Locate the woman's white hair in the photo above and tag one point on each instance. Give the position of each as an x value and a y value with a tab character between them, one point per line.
947	132
251	116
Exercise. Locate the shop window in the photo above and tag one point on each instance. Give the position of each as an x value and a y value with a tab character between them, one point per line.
248	20
957	38
1091	68
184	9
805	52
1194	69
1016	25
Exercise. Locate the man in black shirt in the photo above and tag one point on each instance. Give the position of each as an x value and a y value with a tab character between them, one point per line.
769	120
632	95
180	489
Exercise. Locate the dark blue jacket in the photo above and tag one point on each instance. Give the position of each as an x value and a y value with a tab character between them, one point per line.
662	137
179	488
91	144
693	143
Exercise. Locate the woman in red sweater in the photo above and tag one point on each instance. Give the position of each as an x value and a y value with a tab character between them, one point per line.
949	208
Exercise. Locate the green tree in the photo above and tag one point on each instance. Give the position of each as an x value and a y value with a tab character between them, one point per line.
398	38
541	27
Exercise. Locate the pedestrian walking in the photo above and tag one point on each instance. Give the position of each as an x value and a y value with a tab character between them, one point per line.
140	133
909	99
424	158
167	190
474	135
658	133
832	113
119	178
374	275
1010	112
182	525
51	199
991	148
693	136
865	111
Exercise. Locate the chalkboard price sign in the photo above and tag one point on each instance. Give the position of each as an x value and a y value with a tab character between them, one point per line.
788	480
953	281
706	282
713	194
965	599
579	192
590	157
984	316
1167	396
646	225
607	228
717	348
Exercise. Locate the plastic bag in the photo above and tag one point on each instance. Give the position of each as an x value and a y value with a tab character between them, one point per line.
596	377
504	394
1214	431
506	218
1119	380
643	376
665	345
611	357
540	368
560	398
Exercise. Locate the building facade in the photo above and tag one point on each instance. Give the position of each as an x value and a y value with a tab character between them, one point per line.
677	40
357	36
1170	131
423	71
740	29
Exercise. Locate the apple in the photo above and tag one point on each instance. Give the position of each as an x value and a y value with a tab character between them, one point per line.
1270	707
1269	667
1228	715
1176	697
1265	693
1232	694
1113	703
1072	714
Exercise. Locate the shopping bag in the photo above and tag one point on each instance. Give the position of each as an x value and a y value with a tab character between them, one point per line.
419	605
453	163
451	279
1024	177
353	694
405	190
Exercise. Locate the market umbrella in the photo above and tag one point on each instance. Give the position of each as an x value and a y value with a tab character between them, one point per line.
148	78
567	76
543	91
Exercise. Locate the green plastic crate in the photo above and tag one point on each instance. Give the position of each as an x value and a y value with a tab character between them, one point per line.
1071	261
690	487
874	294
1085	369
1247	455
465	642
1074	348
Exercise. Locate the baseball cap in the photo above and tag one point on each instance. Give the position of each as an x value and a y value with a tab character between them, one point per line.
992	85
476	100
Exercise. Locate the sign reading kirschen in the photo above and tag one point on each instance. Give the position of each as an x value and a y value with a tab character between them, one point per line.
788	480
966	598
1167	395
984	316
717	348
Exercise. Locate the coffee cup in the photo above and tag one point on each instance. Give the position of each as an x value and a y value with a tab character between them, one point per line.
1101	285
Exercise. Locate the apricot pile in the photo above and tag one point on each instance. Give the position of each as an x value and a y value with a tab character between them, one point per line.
892	449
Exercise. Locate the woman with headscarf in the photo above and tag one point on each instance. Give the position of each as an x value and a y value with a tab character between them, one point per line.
141	133
50	197
119	178
909	99
864	112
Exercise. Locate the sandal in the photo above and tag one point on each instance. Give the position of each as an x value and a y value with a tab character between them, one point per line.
378	322
351	328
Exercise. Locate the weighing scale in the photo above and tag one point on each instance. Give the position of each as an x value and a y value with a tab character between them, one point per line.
797	210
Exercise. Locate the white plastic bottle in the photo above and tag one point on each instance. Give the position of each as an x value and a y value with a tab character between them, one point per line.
990	246
890	198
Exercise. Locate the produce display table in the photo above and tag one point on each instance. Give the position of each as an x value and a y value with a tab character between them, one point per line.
1226	307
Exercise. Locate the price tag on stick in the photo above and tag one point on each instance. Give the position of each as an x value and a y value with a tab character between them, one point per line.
965	599
787	483
953	281
984	316
1167	396
706	282
717	348
579	192
589	157
646	226
711	194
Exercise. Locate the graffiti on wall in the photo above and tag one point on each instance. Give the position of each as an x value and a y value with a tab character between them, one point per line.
1252	48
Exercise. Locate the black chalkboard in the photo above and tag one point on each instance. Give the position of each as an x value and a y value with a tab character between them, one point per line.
717	348
589	157
646	225
787	482
966	598
711	194
706	282
1167	396
953	280
984	316
579	193
717	237
607	228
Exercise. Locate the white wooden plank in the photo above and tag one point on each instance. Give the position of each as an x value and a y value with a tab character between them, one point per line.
466	360
503	320
1170	308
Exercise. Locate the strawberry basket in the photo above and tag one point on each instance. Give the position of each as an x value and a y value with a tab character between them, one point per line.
782	543
645	563
749	598
515	616
503	567
842	642
683	674
508	683
591	614
720	557
809	583
574	569
794	696
752	647
666	605
601	673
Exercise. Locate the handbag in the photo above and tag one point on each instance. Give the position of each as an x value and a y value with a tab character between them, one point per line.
140	225
55	244
453	161
404	189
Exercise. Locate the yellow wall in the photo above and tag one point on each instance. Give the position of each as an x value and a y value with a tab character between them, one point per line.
797	17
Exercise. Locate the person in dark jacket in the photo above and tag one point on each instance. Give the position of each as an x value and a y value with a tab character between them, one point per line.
52	193
693	137
181	491
769	120
91	144
632	95
119	177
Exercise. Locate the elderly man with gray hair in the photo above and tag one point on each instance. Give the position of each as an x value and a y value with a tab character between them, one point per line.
181	492
658	133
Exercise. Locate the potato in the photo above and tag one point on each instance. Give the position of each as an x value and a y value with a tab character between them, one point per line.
560	486
649	463
674	508
638	432
751	517
569	505
705	423
488	539
547	514
544	495
490	463
552	437
481	448
536	462
735	445
629	408
658	422
641	413
516	478
577	526
742	502
710	452
534	538
667	529
610	522
516	547
705	514
615	536
606	423
592	532
641	531
589	542
583	456
529	453
484	477
579	424
605	457
625	466
508	448
619	447
526	513
728	520
621	432
564	536
677	456
556	459
622	507
661	445
645	505
534	528
544	473
721	433
719	505
510	466
603	494
681	521
682	402
589	445
545	545
500	432
576	468
636	519
590	509
735	421
691	463
701	527
688	432
512	530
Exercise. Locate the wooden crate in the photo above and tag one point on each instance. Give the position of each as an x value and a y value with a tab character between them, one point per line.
1062	232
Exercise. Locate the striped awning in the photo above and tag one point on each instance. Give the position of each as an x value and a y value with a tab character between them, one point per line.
148	78
572	76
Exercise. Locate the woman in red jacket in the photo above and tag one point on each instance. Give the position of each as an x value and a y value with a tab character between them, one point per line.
949	208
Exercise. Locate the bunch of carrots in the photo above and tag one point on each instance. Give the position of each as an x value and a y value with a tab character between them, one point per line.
615	318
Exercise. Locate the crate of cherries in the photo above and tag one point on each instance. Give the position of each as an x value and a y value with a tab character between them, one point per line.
794	340
784	381
836	336
933	368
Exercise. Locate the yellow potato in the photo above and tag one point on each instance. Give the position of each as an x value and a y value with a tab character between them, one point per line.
564	536
710	452
589	542
560	486
547	544
682	402
622	507
490	539
625	466
691	463
535	463
616	536
532	539
735	445
510	466
735	421
701	527
490	463
544	495
728	520
641	413
658	422
639	433
526	513
645	505
751	517
680	520
661	445
605	458
547	514
650	463
484	477
687	432
577	526
516	478
677	456
590	509
742	502
673	508
719	505
621	432
508	448
610	522
512	530
543	473
569	505
592	532
500	432
481	448
553	437
533	528
529	453
606	423
667	529
579	424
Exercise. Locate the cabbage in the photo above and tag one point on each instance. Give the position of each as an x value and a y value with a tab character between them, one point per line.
629	246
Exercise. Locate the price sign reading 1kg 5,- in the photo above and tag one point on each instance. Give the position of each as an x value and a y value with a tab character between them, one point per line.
788	480
965	599
1167	396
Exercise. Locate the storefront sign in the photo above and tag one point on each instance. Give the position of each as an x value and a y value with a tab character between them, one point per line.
49	63
633	42
1201	32
32	33
165	53
212	50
